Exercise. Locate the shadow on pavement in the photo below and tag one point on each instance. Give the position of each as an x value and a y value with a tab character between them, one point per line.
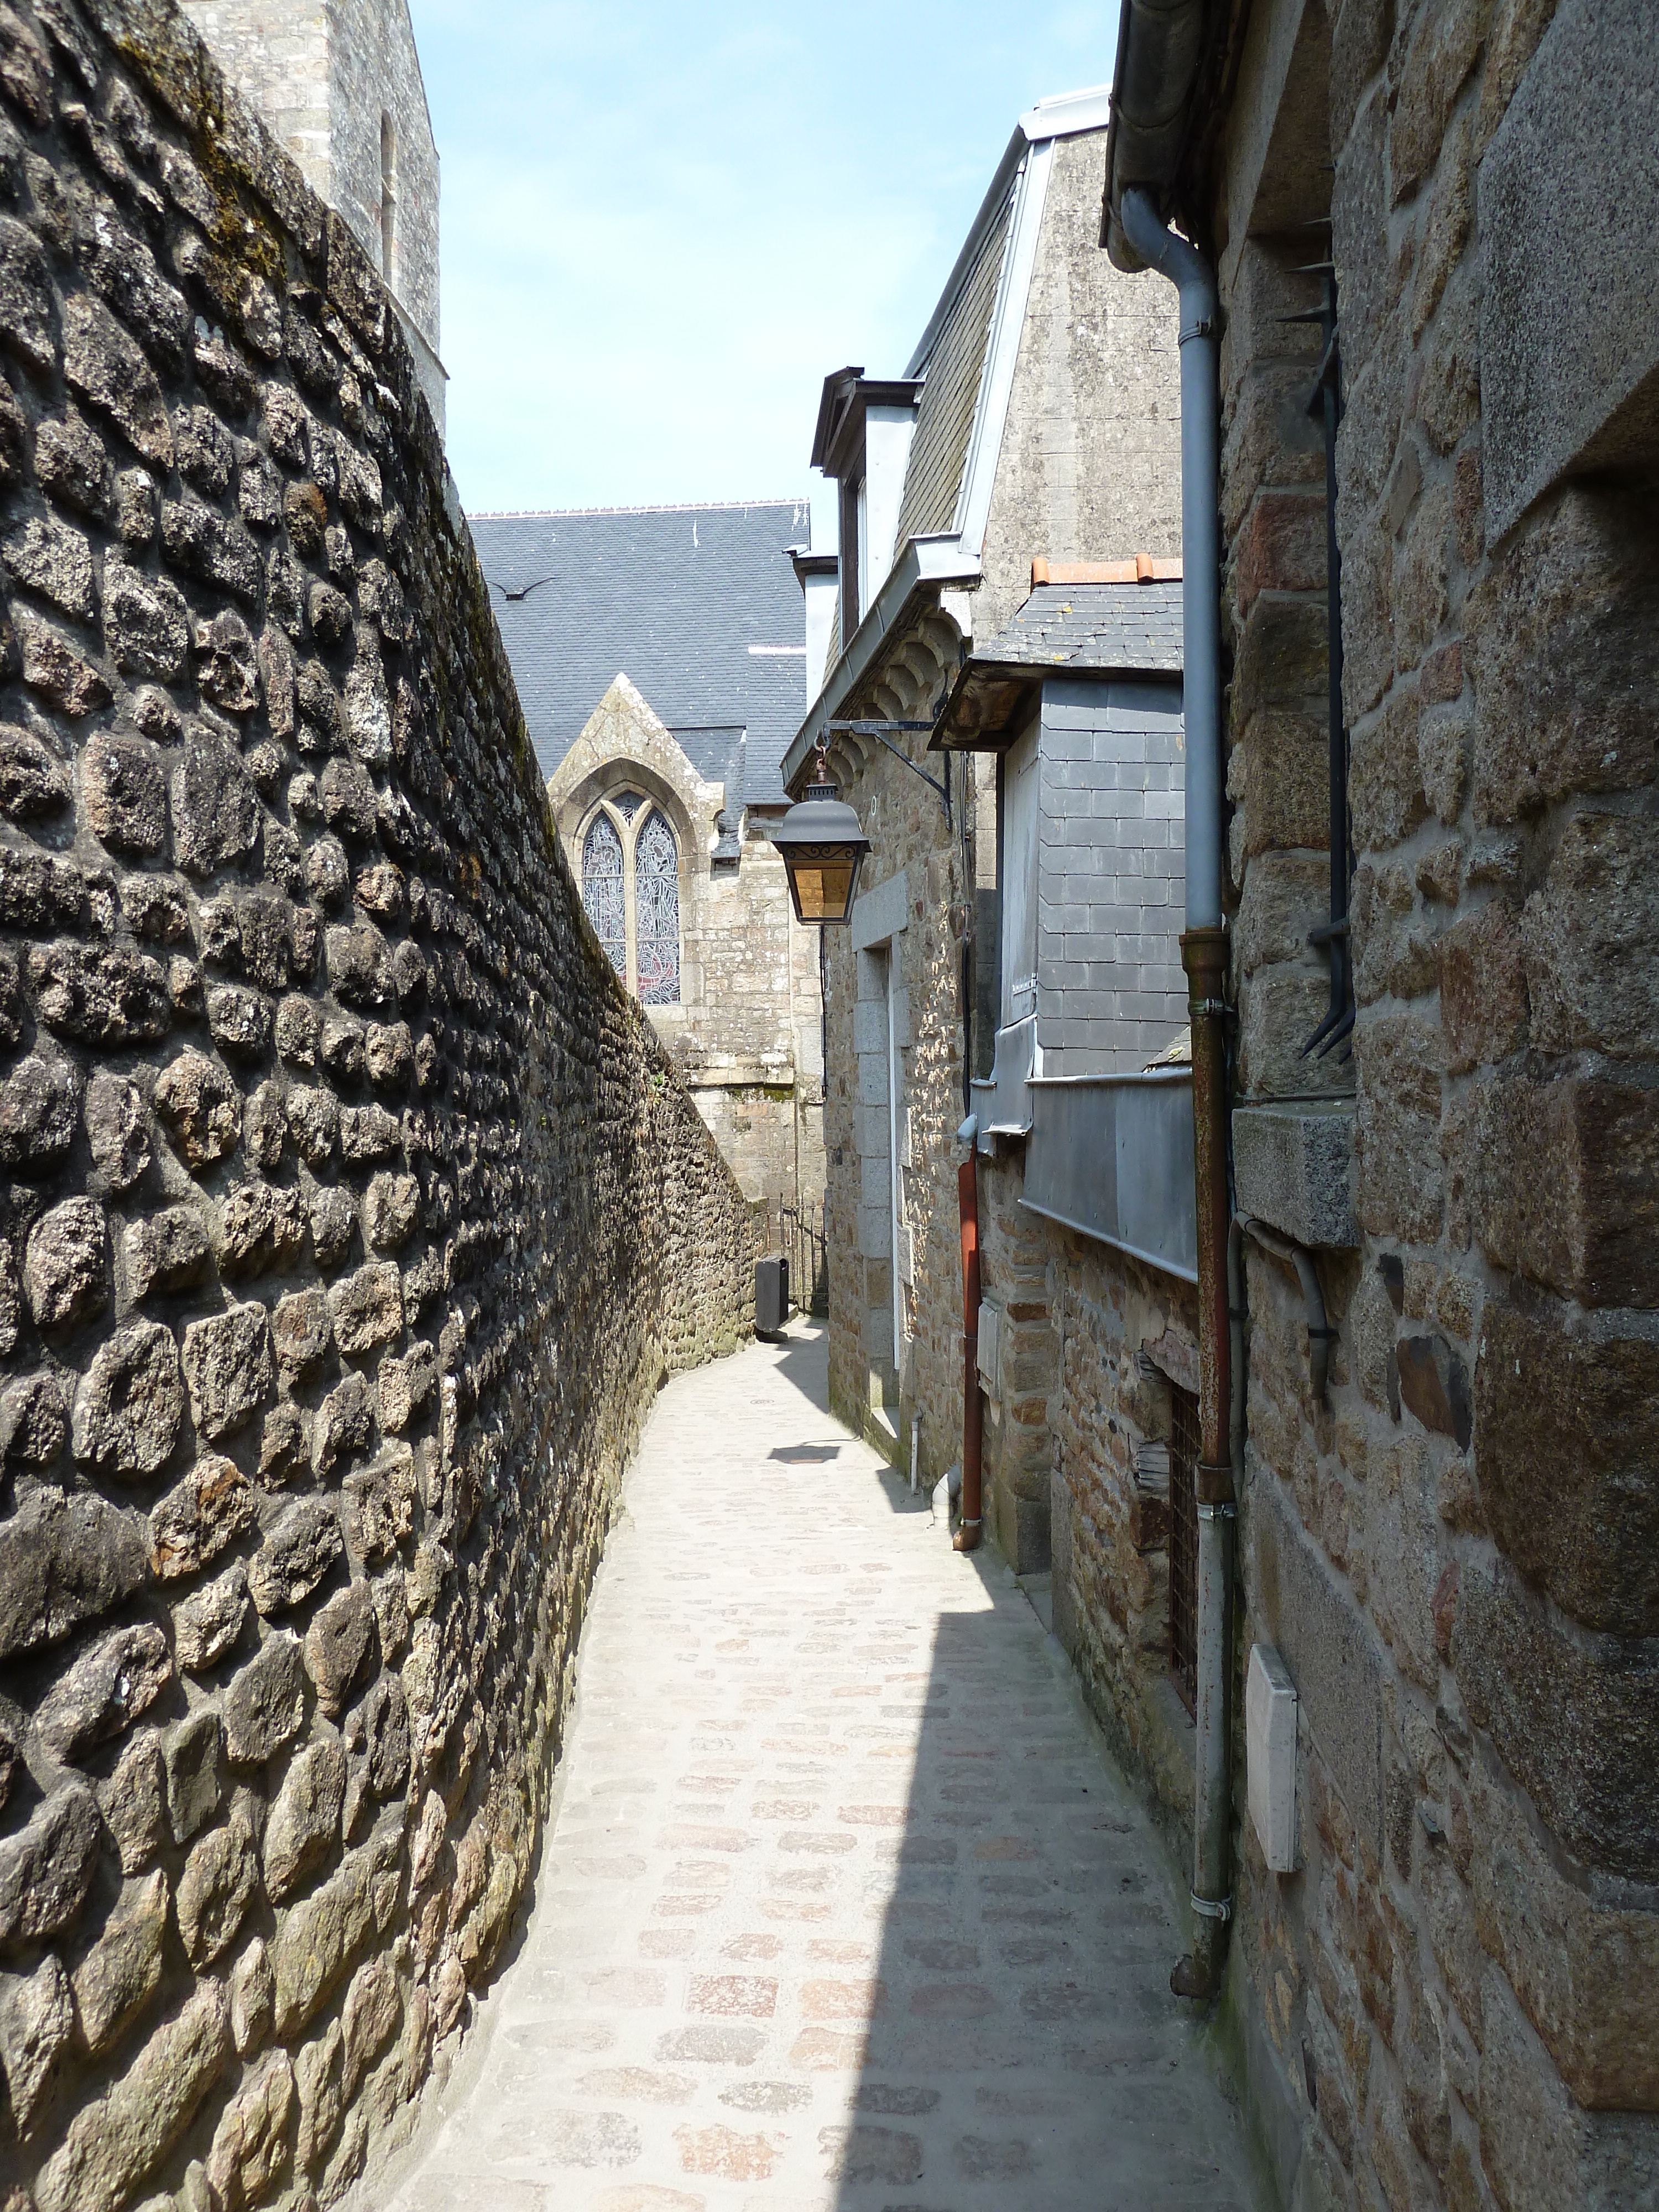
1020	2046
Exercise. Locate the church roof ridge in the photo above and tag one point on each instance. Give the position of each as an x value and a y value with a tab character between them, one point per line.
665	507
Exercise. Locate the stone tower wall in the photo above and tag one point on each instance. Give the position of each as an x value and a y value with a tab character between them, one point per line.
322	78
350	1210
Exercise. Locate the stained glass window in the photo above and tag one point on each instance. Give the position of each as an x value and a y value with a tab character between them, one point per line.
602	889
628	804
657	912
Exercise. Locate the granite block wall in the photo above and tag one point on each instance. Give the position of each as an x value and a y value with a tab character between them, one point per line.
1450	2002
907	941
350	1212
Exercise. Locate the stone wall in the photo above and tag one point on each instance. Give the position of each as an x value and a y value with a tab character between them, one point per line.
1124	1334
340	88
352	1212
1090	468
1451	2001
906	943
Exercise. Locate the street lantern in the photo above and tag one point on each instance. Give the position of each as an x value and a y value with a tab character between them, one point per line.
822	845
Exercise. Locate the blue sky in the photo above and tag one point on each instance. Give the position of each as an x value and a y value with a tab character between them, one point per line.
663	225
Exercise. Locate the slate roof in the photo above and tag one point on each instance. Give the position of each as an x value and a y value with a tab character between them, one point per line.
673	598
720	756
1078	630
954	367
1123	629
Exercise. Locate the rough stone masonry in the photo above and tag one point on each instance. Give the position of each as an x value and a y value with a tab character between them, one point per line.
351	1213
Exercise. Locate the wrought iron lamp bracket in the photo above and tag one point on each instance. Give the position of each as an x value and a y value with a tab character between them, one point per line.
865	728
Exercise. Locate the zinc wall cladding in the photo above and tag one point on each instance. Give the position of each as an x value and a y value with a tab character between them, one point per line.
1111	992
350	1212
944	417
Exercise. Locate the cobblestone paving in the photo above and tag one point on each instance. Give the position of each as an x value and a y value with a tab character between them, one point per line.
843	1907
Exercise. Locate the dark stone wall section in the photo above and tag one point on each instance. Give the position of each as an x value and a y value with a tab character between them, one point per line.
349	1213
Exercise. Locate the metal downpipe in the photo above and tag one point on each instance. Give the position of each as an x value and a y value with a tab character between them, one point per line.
1321	1336
969	1531
1204	956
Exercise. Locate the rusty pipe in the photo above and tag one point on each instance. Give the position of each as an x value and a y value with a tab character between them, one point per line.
1204	956
967	1538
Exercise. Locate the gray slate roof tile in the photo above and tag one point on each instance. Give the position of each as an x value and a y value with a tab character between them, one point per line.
673	598
1127	629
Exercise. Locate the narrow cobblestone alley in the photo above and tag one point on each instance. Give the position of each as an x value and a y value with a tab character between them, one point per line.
843	1905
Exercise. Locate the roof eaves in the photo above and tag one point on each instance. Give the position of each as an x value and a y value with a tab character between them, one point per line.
1068	114
925	567
807	563
843	447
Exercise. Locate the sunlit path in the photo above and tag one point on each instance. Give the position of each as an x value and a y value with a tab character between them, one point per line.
842	1905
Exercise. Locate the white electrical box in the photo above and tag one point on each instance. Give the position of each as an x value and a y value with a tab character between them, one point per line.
990	1343
1270	1753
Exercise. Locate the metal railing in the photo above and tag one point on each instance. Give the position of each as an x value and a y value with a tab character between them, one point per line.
800	1234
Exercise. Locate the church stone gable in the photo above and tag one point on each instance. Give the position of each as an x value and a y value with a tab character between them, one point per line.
623	744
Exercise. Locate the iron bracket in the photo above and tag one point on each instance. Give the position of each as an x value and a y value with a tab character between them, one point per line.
876	730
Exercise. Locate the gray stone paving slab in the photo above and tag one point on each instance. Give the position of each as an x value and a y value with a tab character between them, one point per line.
843	1907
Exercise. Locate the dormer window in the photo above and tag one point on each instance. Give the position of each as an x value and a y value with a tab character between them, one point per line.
863	442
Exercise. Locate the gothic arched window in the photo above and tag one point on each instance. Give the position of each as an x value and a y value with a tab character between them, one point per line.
602	889
656	911
631	890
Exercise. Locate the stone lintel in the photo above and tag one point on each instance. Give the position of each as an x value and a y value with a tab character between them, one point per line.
1293	1166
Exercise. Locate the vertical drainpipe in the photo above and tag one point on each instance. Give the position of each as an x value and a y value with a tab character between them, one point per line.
968	1522
1204	956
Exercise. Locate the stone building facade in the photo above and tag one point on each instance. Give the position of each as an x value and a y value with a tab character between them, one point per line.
744	1022
1446	1517
1443	1435
340	88
658	653
1038	424
352	1211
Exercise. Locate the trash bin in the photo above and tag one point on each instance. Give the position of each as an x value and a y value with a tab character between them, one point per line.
771	1294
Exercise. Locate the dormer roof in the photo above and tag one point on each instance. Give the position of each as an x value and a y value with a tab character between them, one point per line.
838	441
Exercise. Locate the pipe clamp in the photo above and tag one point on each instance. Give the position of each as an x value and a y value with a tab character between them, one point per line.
1217	1512
1210	1908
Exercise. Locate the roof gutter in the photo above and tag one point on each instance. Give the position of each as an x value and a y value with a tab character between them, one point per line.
1160	46
926	567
